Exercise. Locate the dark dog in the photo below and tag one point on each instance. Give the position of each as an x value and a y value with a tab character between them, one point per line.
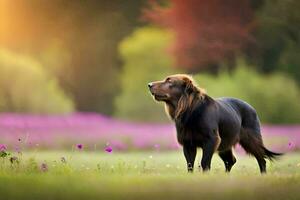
212	124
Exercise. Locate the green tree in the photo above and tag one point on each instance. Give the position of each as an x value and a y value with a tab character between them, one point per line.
145	60
26	87
85	34
278	37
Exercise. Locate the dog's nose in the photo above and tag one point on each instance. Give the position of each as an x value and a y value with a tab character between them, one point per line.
150	85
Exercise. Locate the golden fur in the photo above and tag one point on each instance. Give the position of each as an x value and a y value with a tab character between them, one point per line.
191	96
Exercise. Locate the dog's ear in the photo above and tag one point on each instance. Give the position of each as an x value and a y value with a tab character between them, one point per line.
186	100
192	93
189	85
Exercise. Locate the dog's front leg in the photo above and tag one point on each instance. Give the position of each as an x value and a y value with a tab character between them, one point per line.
190	155
209	148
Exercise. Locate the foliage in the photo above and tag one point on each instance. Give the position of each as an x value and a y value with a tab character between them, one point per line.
25	86
278	37
208	32
211	33
77	40
145	60
275	96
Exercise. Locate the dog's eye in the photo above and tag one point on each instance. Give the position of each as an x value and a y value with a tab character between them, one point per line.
170	84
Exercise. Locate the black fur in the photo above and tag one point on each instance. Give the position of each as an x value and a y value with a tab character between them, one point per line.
219	124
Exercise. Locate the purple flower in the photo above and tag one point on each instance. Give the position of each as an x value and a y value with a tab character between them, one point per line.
291	145
44	167
108	149
2	147
18	149
79	146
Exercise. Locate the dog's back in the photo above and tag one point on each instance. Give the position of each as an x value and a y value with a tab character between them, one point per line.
247	114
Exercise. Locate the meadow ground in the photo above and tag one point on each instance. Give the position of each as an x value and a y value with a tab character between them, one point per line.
142	175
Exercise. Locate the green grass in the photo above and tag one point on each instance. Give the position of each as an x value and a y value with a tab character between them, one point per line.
144	175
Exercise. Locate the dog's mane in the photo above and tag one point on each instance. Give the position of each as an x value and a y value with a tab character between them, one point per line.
190	98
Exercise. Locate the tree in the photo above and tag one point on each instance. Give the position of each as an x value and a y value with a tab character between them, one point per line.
207	32
278	37
75	40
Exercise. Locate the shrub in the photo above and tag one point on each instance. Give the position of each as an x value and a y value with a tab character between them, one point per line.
145	59
25	86
275	96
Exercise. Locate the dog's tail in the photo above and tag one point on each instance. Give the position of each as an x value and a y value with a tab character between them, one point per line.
252	142
271	155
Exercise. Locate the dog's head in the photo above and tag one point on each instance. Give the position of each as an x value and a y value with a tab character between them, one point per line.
178	91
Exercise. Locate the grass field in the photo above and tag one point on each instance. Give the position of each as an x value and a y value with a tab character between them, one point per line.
143	175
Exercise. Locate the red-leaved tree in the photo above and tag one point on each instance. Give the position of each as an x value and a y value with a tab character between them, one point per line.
207	32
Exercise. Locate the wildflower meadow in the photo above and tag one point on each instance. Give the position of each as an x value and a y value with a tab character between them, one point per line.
95	132
84	91
102	157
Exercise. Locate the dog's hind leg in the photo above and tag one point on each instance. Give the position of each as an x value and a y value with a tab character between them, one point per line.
228	159
262	163
253	144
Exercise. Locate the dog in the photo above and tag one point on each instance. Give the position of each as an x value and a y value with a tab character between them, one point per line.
211	124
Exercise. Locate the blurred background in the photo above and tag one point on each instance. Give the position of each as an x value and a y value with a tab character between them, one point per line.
76	72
